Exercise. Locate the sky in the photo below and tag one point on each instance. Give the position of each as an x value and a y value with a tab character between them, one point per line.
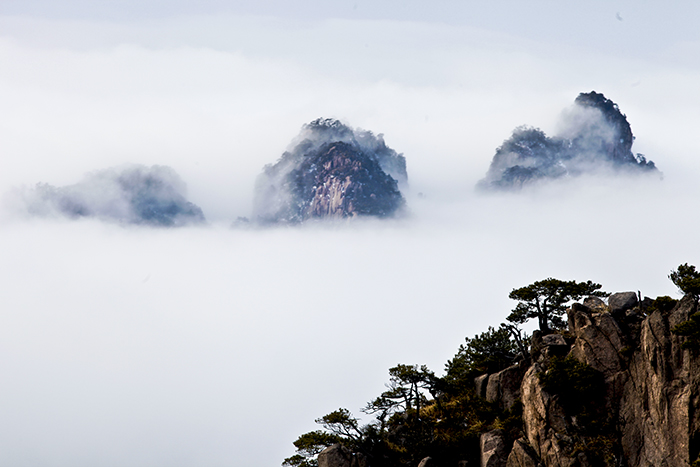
215	346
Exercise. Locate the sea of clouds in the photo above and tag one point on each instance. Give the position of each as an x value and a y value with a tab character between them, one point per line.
210	345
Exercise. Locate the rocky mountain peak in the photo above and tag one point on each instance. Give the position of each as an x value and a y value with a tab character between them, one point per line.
331	171
594	138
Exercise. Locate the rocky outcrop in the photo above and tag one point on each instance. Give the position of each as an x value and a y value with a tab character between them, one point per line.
331	171
481	385
595	137
503	387
649	414
622	301
660	400
494	449
521	455
340	456
545	422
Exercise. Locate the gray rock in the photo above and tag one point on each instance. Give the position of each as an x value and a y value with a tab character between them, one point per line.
536	344
480	383
494	449
622	301
522	455
646	303
546	425
661	400
335	456
599	339
652	384
595	304
554	340
554	345
504	387
340	456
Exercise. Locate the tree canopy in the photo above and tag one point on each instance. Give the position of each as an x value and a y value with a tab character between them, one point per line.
546	300
488	352
687	279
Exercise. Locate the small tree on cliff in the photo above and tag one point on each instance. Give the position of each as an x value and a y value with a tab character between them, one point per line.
546	300
687	279
488	352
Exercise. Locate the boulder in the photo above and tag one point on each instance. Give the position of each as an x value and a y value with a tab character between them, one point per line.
599	339
504	387
595	304
522	455
480	383
622	301
494	449
554	345
335	456
554	340
340	456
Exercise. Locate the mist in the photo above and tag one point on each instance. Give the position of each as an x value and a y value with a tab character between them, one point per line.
131	194
207	345
594	138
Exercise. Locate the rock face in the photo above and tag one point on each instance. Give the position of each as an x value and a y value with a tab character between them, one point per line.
494	449
595	137
651	393
331	171
622	301
340	456
131	194
521	455
503	387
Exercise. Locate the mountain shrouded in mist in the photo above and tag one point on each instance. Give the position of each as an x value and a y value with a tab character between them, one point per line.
594	137
331	171
132	194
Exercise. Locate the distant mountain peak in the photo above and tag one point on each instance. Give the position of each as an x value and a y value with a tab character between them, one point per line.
594	137
331	171
131	194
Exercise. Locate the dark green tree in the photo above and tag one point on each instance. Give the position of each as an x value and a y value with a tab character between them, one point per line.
340	427
405	392
488	352
547	299
687	279
691	330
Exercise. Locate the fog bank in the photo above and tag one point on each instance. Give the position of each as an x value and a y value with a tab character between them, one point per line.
210	346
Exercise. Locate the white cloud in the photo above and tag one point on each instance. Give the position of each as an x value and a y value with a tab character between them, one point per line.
212	346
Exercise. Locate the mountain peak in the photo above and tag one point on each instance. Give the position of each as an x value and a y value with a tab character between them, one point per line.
331	171
594	137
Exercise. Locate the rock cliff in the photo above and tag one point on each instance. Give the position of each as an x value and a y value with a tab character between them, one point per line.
615	389
594	137
331	171
646	413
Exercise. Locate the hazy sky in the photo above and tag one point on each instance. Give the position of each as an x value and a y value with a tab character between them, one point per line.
208	346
